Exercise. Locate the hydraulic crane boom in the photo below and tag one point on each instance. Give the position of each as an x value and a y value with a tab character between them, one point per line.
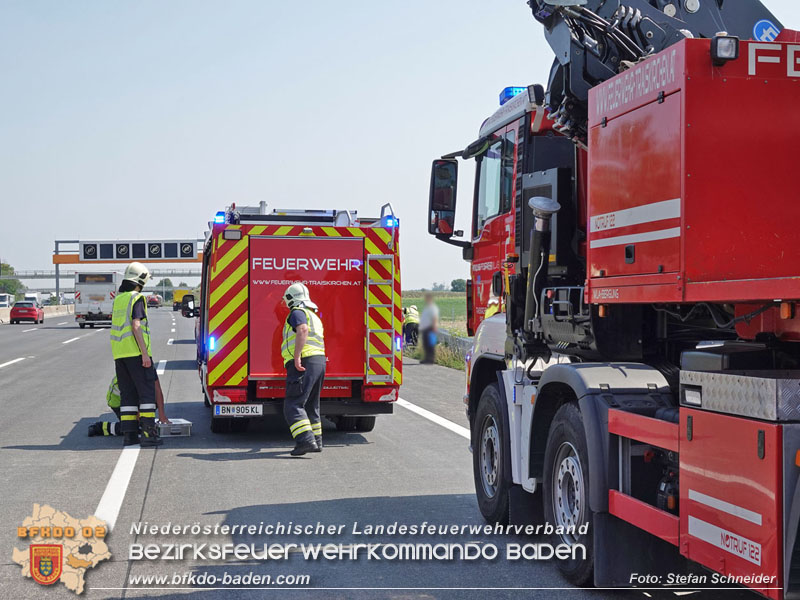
593	40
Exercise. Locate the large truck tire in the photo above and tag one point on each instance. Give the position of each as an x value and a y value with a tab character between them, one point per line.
365	424
566	489
91	325
492	483
346	423
82	325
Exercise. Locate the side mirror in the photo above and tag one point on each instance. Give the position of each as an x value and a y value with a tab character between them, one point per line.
187	306
442	200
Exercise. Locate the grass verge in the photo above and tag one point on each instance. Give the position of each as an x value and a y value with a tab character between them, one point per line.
445	356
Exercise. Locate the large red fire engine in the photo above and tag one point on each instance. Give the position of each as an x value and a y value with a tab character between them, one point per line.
351	266
639	224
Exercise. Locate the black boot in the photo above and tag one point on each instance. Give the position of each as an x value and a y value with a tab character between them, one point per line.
130	439
318	439
96	429
304	446
150	437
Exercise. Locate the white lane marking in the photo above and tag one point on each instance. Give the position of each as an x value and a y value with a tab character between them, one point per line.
72	340
172	330
650	236
64	323
447	424
726	540
11	362
169	342
111	502
27	330
162	365
638	215
727	507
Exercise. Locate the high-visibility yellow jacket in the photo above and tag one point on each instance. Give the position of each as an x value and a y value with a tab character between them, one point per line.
123	342
112	396
411	316
315	344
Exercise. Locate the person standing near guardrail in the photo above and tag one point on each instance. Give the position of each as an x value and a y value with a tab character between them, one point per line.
130	346
428	329
303	351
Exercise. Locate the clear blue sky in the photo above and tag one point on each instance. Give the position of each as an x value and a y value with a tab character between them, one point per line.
142	119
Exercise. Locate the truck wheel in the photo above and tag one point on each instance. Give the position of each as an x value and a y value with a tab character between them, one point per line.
206	401
239	425
346	423
222	425
488	458
82	325
365	423
91	325
566	489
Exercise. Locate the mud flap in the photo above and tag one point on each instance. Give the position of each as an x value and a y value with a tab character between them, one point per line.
621	550
525	508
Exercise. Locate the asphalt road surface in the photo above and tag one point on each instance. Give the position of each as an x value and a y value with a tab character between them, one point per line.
413	468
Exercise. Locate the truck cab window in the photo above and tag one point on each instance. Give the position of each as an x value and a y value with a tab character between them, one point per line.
507	174
489	185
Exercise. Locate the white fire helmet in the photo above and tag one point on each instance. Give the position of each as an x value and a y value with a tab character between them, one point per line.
136	273
296	295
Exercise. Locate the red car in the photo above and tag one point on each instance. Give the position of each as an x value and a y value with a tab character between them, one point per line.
26	311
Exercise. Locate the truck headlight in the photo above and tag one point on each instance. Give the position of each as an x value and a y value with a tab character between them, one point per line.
724	48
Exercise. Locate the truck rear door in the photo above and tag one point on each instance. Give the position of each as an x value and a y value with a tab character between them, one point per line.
333	270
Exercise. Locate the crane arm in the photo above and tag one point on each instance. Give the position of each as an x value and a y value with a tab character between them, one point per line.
593	40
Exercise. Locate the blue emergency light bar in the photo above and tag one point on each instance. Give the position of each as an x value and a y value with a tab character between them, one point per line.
508	93
219	217
390	221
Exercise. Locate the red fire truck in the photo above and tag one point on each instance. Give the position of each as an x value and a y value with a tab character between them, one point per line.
351	266
639	224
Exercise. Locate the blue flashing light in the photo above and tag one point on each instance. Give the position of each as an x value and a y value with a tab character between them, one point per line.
508	93
212	343
398	343
390	221
219	217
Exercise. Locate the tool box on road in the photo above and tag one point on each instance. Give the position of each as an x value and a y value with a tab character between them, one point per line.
175	428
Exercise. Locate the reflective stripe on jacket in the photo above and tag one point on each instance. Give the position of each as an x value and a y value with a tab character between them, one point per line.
315	344
123	342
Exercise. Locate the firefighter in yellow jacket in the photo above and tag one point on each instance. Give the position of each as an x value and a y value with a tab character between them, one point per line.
303	351
130	345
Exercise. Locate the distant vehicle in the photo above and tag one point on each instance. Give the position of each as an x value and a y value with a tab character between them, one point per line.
177	297
26	310
94	298
6	300
155	301
34	297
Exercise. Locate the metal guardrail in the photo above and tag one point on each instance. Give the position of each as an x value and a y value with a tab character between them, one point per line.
461	345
